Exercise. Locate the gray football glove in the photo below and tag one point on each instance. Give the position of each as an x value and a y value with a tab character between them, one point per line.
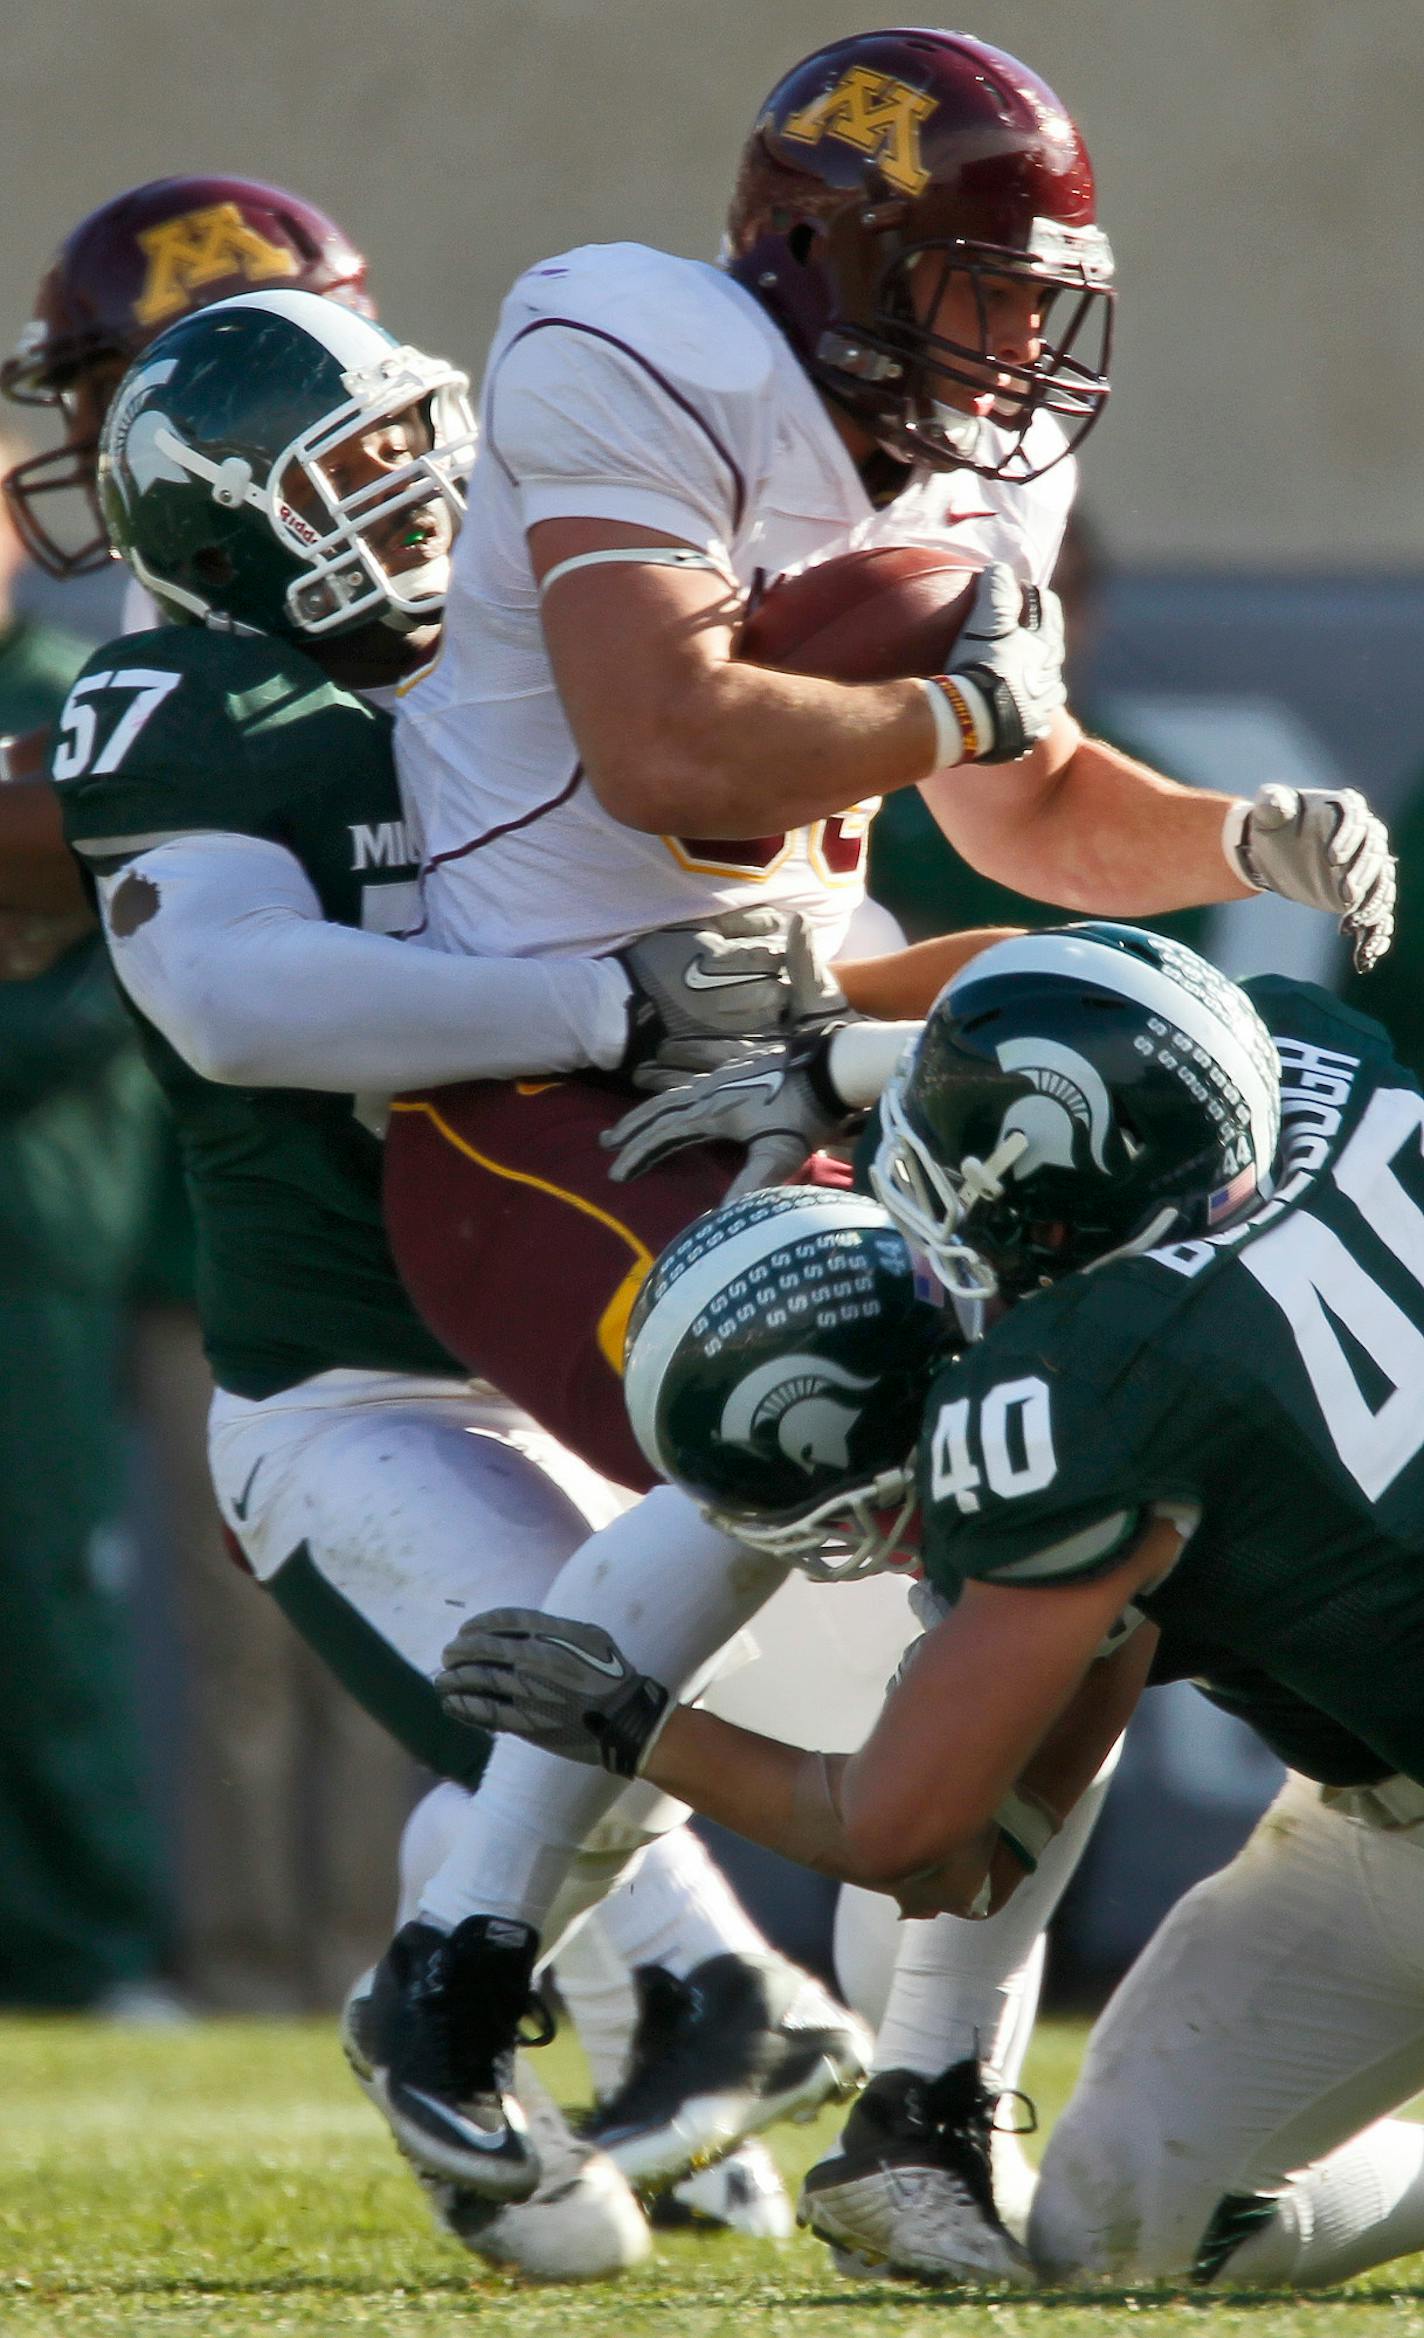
1008	661
708	993
563	1685
780	1103
1323	846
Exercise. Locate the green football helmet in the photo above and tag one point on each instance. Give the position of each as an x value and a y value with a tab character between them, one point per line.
278	464
1075	1093
778	1359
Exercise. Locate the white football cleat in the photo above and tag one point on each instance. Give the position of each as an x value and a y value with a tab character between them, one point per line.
581	2223
742	2193
908	2191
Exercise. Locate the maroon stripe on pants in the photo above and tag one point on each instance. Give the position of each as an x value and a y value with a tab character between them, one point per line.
522	1256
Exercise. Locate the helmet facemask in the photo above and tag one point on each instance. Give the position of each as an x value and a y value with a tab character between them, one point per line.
348	582
52	496
893	369
860	1530
929	1199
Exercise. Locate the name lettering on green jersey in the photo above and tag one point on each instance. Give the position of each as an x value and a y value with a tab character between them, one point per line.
1014	1434
1315	1089
383	845
1317	1282
137	690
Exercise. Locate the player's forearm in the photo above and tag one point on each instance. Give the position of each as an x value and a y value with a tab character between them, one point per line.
904	984
788	1800
37	873
748	752
773	1794
1084	826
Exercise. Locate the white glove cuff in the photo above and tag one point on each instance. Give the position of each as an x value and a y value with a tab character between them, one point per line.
1233	831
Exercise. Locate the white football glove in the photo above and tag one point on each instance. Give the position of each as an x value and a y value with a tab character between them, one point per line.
1008	664
563	1685
1322	846
709	993
779	1103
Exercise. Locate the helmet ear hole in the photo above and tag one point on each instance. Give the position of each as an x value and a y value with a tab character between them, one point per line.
800	242
212	566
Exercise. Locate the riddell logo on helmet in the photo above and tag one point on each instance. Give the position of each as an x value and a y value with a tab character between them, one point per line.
296	526
877	116
201	248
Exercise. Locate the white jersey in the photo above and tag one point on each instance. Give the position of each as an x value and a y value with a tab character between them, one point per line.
626	384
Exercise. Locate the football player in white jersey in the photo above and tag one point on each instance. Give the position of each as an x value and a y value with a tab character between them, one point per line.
139	262
907	341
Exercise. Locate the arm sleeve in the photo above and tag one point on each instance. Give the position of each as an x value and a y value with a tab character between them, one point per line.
588	428
220	941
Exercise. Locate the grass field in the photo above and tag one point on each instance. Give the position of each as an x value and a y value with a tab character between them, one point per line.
228	2180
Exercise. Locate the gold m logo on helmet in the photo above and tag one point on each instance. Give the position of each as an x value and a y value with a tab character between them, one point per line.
875	115
203	247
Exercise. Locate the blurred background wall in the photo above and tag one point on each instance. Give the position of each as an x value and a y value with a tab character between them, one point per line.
1259	164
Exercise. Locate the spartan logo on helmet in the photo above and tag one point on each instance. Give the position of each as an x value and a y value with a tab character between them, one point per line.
794	1395
1068	1092
126	439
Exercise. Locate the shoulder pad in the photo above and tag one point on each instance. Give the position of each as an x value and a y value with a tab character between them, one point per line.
681	315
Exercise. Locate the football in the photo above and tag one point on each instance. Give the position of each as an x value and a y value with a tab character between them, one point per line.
873	616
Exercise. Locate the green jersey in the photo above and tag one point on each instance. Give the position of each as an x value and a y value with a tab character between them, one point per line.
180	732
1264	1386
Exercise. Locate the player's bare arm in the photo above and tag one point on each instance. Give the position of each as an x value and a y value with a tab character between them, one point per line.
917	1811
1079	823
690	738
1082	825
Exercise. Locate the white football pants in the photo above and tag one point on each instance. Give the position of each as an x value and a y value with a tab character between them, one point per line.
1277	2013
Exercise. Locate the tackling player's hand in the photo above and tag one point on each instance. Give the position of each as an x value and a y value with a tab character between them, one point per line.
1008	664
563	1685
780	1103
1322	846
708	993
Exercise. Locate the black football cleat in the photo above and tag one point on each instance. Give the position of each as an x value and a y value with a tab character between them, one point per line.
430	2033
909	2189
742	2042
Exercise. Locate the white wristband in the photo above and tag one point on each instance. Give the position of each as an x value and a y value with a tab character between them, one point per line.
956	720
1027	1824
862	1056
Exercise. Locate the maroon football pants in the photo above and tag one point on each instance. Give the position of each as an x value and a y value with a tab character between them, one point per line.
522	1256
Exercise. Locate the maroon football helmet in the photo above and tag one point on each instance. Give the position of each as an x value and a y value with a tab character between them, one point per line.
132	267
898	177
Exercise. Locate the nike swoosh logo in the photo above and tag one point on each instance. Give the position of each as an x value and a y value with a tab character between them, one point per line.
239	1507
598	1663
768	1084
479	2137
704	978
